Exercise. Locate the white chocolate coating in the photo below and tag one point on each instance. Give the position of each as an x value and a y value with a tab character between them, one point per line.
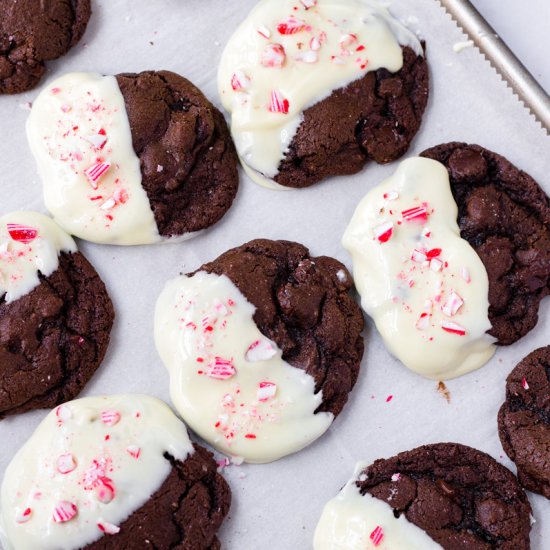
79	122
101	457
424	286
228	381
290	54
30	243
352	521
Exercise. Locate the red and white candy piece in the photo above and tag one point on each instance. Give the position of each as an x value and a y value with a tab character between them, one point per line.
260	350
278	103
96	171
266	391
292	25
240	81
98	140
64	511
453	303
465	274
134	451
22	233
391	195
108	528
221	369
105	490
377	535
264	31
419	255
418	213
66	463
308	3
524	383
110	417
273	55
63	413
423	322
436	264
23	516
384	232
347	40
453	328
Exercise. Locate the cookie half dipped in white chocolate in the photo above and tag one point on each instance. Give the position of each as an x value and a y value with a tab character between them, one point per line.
120	467
318	88
424	286
55	315
263	346
119	163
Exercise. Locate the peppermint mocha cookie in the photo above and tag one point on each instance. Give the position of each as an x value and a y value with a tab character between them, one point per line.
437	496
55	315
132	159
505	216
33	32
524	421
424	285
112	472
263	346
317	88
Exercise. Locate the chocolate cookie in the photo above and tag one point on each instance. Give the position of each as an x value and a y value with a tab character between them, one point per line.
374	118
32	33
524	421
460	496
505	216
303	305
263	346
154	159
186	512
317	89
113	472
175	127
55	329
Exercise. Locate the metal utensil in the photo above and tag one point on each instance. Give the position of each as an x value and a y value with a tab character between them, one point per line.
522	82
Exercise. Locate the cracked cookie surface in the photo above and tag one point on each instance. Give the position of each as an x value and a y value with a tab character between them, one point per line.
460	496
33	32
185	513
373	118
524	421
505	216
188	161
303	305
54	338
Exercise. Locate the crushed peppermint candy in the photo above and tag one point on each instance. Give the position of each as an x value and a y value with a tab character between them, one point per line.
240	81
266	391
221	369
524	384
273	55
64	511
452	305
391	195
24	516
63	413
453	328
377	535
108	528
134	451
110	417
104	490
96	171
292	25
66	463
418	213
384	232
260	350
264	31
396	477
278	104
22	233
308	3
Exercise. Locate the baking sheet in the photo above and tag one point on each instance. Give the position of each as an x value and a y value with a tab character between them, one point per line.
278	505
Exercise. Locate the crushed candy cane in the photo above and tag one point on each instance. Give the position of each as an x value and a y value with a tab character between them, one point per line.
377	535
64	511
66	463
22	233
108	528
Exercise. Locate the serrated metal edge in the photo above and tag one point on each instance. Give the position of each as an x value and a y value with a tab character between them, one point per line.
502	60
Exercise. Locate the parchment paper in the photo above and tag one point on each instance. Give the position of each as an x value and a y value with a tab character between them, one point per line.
277	505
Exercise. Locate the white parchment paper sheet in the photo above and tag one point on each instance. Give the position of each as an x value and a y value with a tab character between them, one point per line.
277	505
